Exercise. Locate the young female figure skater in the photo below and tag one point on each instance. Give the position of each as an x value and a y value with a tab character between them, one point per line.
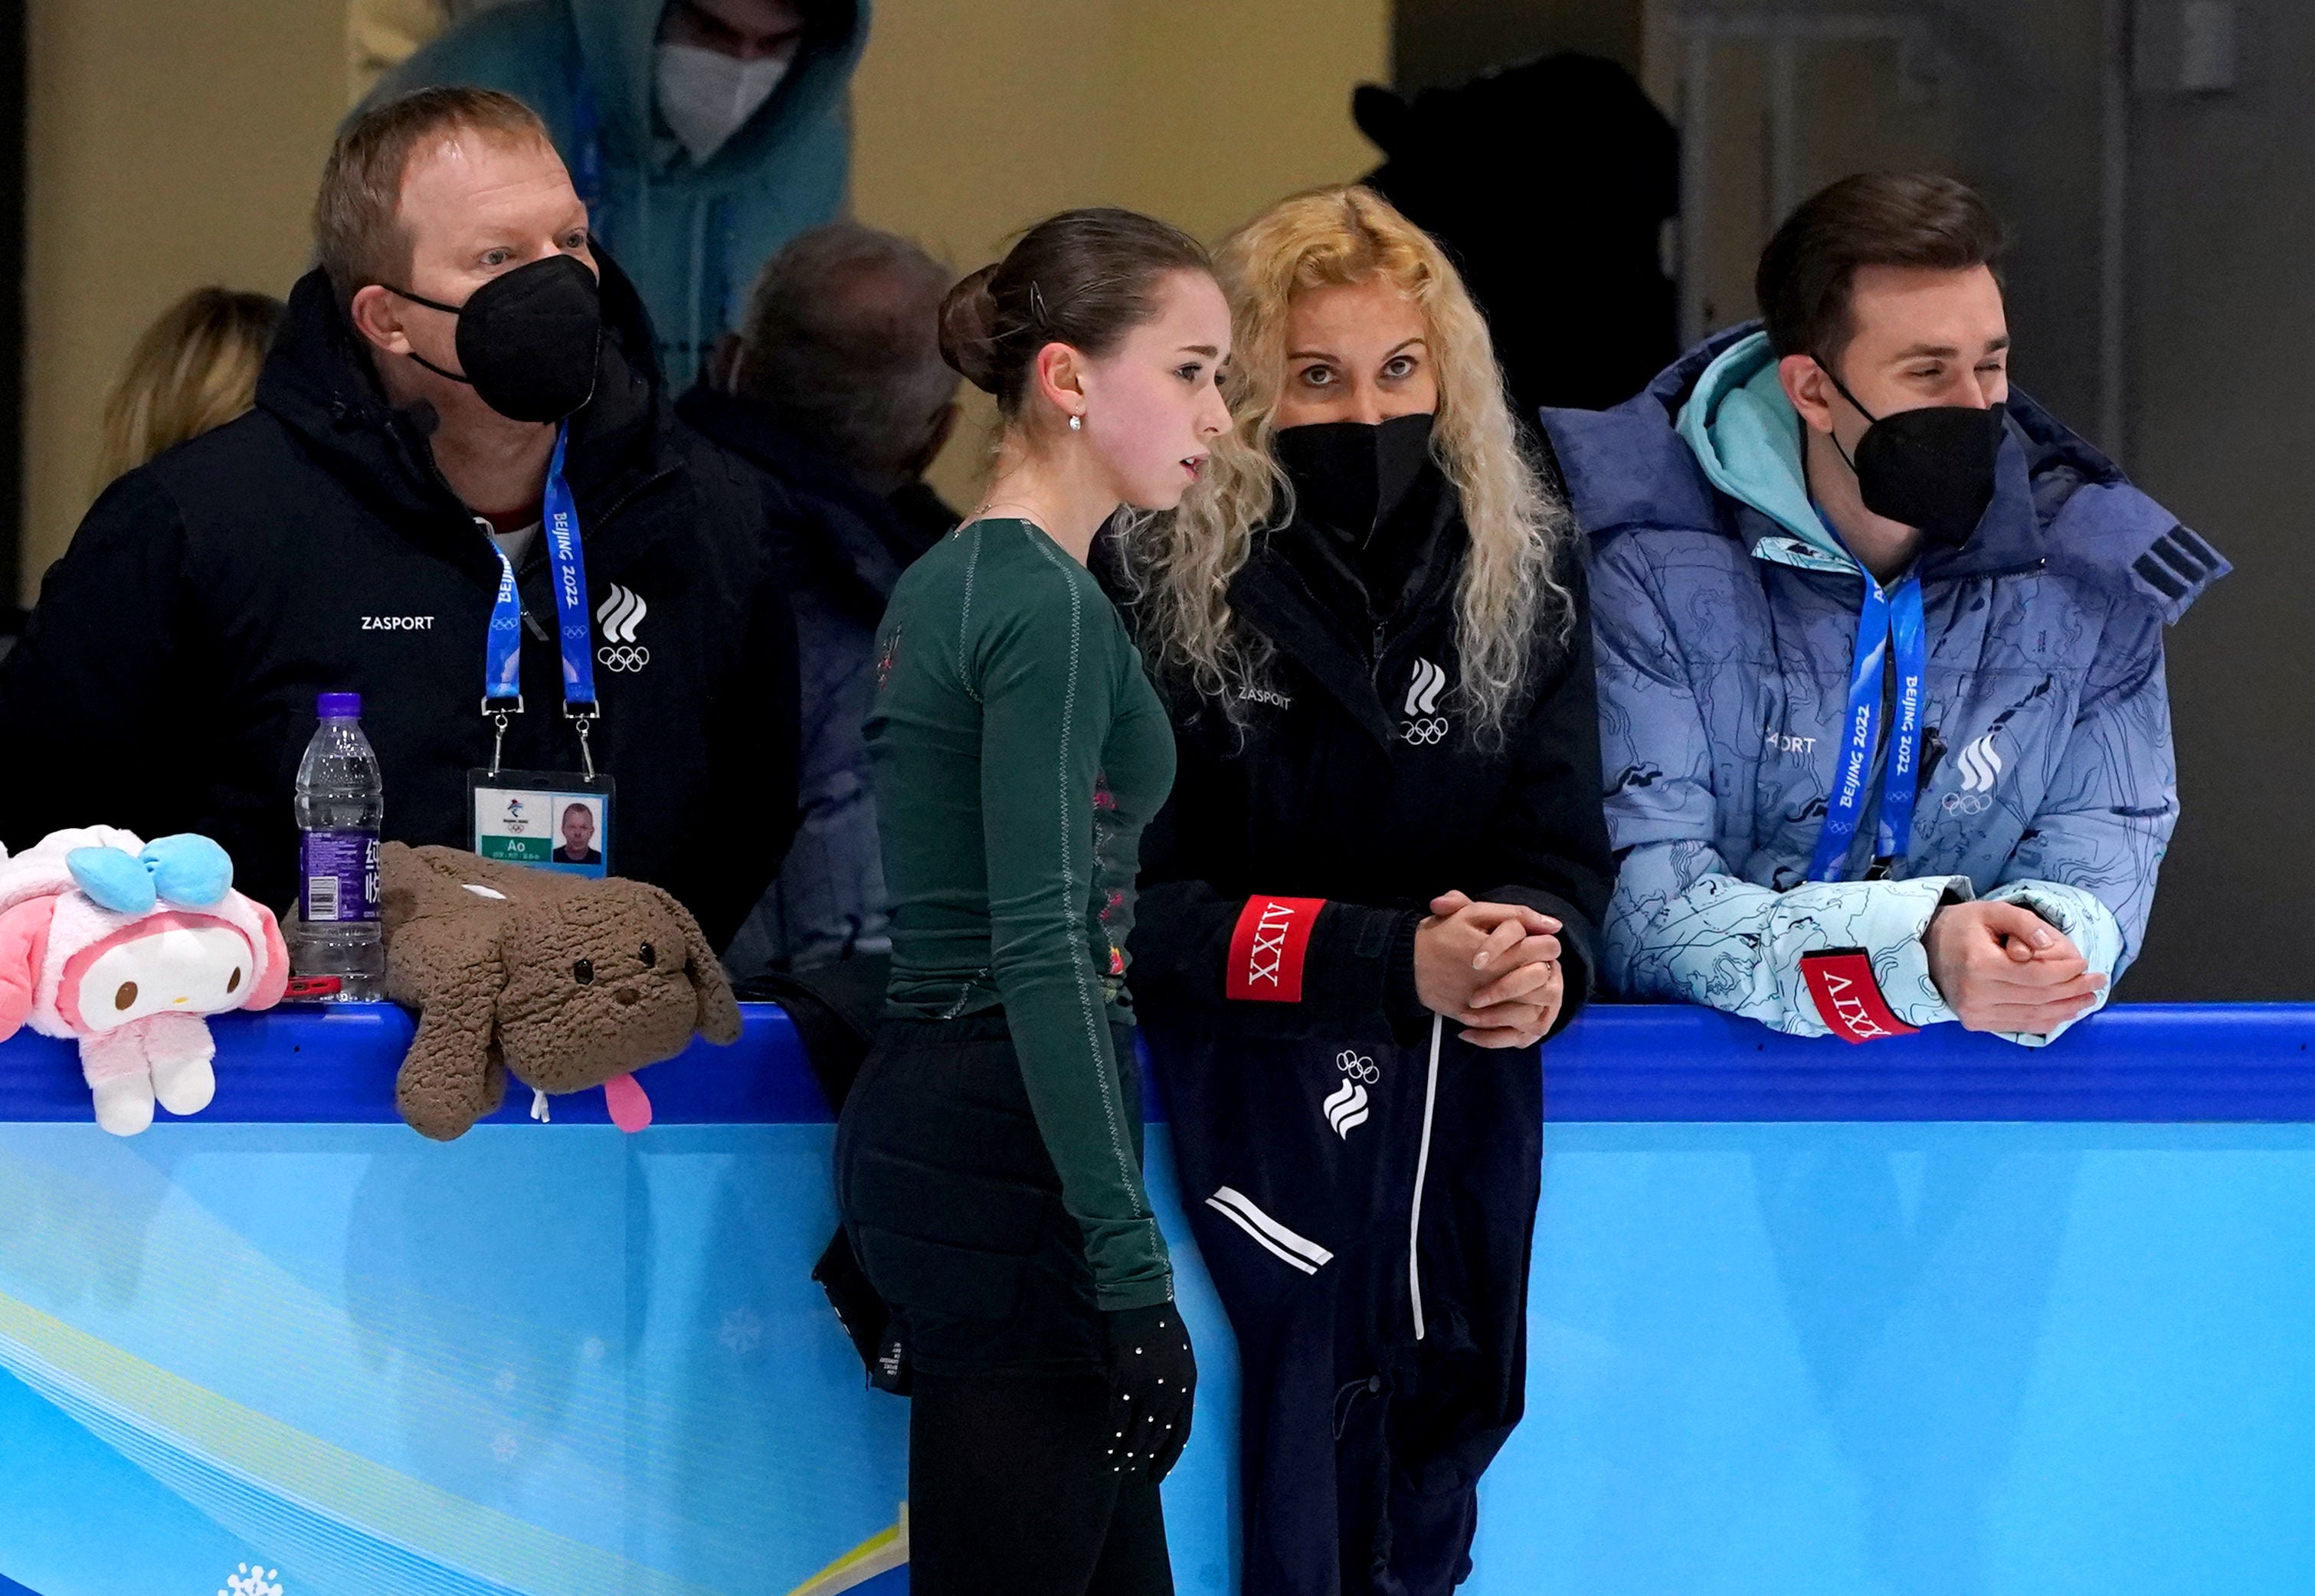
989	1158
1374	890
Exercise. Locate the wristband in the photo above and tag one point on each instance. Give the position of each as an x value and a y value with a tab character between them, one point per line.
1848	998
1266	949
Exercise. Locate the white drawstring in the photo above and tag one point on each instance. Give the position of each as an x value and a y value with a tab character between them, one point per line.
1421	1169
538	1105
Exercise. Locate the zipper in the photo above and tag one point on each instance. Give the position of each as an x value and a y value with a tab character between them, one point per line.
1374	658
1422	1170
529	621
638	491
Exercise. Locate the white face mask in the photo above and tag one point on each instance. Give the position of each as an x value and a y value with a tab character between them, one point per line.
706	96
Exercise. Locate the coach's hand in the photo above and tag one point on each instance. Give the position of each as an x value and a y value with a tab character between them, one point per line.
2001	967
1494	968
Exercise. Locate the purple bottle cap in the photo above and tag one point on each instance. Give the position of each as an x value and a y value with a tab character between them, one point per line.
338	706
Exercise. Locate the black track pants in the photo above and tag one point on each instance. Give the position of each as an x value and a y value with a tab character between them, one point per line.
1010	1494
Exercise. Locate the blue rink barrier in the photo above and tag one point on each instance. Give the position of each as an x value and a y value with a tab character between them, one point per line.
1937	1316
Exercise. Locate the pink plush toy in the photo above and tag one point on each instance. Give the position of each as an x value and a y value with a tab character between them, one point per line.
127	947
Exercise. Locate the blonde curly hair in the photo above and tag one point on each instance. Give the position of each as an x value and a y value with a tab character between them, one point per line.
1179	565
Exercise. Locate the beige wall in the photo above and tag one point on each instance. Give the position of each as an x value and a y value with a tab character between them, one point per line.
172	147
975	118
169	146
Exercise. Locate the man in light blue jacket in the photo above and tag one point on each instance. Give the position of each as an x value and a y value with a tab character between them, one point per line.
1880	650
702	133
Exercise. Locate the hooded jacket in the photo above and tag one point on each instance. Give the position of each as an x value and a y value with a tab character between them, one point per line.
846	548
691	234
1726	614
166	681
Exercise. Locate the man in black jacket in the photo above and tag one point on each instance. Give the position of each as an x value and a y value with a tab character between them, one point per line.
349	533
836	390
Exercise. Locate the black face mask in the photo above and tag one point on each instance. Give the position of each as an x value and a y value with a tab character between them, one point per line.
1350	475
528	339
1930	468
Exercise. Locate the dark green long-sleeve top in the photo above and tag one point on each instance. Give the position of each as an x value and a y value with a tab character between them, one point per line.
1019	749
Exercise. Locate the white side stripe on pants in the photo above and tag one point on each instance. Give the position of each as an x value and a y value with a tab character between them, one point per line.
1299	1251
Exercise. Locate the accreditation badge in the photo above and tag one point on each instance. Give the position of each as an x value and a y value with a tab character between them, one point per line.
555	819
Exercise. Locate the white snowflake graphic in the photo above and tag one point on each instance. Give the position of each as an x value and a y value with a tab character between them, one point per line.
506	1381
592	1349
742	1331
505	1447
253	1580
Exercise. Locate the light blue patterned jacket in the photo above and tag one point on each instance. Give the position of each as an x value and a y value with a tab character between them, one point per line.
1726	614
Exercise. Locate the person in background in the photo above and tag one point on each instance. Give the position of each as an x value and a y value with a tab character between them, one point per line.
702	133
1514	258
988	1160
460	338
1881	688
194	369
835	388
1374	890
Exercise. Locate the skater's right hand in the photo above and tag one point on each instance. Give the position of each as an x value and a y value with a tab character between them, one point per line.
1153	1381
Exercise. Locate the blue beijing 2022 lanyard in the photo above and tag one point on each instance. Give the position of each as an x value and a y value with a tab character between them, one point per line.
1880	624
502	648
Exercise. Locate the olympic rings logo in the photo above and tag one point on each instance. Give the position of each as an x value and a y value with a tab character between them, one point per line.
1423	732
623	658
1968	804
1359	1069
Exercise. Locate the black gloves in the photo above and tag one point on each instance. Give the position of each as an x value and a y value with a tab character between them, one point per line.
1152	1380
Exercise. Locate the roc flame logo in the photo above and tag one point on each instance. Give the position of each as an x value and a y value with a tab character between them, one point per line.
620	614
1422	693
1346	1110
1981	766
1423	724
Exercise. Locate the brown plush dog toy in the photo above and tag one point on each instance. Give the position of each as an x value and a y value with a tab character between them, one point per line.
565	983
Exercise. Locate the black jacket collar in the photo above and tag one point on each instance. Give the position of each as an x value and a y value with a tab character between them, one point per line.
1301	590
319	382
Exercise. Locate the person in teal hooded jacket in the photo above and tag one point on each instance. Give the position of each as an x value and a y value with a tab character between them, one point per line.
1883	719
702	133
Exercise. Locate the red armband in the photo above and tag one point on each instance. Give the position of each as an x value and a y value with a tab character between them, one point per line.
1266	949
1848	998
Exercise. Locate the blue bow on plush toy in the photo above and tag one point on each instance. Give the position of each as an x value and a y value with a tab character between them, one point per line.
186	869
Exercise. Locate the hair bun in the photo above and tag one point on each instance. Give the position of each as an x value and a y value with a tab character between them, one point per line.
1084	279
968	330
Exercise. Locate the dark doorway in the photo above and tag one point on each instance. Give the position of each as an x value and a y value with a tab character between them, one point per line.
1435	42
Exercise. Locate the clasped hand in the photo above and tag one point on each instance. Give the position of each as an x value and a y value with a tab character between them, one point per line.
2001	967
1494	968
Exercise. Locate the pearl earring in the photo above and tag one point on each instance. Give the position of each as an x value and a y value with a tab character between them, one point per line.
1076	424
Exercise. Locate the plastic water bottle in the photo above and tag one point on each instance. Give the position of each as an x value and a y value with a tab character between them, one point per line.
341	803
